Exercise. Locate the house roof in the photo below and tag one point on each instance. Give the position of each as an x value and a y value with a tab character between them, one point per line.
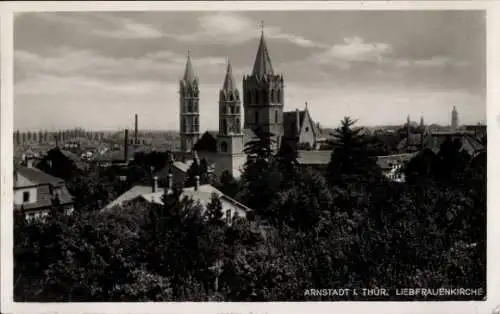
434	140
387	162
38	176
206	143
290	123
202	195
183	165
314	157
134	192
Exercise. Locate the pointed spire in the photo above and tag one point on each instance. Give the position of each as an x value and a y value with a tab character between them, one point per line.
262	63
188	72
229	79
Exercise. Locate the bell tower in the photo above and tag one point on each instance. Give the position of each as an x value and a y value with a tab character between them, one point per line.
263	98
230	136
189	108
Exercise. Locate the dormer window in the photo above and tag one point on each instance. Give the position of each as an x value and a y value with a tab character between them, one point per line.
26	197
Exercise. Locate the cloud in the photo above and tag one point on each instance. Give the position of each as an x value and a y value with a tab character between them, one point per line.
354	49
124	28
104	25
66	62
233	28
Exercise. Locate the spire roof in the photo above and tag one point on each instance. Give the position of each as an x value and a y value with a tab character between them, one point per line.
262	64
229	79
188	72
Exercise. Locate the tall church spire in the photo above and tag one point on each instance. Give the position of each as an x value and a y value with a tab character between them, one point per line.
262	64
188	72
229	79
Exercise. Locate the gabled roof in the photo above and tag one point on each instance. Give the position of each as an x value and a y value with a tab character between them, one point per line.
262	65
290	123
202	195
38	176
206	143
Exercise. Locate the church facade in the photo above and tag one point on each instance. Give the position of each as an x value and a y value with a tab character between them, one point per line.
260	105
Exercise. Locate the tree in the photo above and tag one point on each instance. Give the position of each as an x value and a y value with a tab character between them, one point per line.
350	158
227	184
214	209
197	168
260	146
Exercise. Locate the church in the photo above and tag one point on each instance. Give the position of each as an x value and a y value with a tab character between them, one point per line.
263	107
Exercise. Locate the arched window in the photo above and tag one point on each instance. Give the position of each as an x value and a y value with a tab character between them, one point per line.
238	126
230	109
273	95
276	116
278	95
249	97
224	126
256	117
223	147
256	97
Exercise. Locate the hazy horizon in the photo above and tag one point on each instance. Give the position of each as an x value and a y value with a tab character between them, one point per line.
95	70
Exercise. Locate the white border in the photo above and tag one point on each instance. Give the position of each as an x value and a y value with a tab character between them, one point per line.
493	121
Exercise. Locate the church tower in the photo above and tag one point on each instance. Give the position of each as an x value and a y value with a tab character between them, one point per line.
189	110
263	96
230	155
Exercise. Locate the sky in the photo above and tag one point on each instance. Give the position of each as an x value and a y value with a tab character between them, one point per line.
97	69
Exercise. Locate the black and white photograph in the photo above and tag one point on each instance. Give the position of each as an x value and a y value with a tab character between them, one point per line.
249	155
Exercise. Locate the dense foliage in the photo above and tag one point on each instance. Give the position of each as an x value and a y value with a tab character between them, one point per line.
347	228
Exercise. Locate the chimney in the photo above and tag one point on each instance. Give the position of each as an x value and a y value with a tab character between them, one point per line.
155	184
297	121
197	182
125	148
136	129
170	181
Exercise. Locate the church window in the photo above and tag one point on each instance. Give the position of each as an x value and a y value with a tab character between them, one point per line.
278	96
238	126
256	97
223	147
276	116
249	97
256	117
224	126
307	129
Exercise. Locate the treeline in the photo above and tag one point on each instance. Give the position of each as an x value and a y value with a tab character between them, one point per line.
349	227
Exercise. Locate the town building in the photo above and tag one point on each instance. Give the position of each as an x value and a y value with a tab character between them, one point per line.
199	193
35	192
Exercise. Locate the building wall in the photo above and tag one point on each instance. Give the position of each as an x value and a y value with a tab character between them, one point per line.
19	195
230	155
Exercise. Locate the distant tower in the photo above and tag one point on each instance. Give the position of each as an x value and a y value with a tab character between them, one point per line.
408	126
230	137
454	119
189	111
422	124
136	129
263	96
